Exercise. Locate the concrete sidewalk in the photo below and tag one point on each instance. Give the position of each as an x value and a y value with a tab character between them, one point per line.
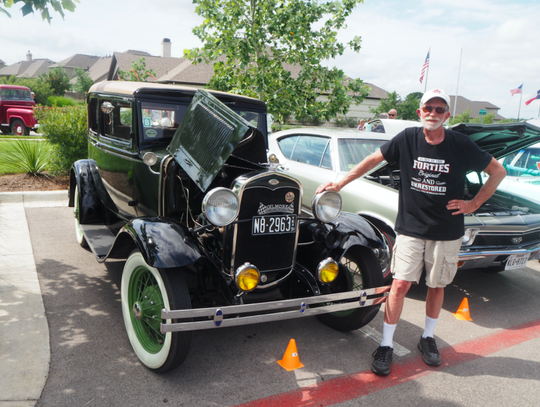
24	333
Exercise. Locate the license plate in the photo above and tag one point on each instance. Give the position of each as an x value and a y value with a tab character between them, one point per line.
273	224
516	261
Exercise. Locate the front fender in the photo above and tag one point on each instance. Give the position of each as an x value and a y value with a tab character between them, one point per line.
90	207
163	244
359	231
26	115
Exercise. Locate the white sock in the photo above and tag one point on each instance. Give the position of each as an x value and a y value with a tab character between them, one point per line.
430	327
388	334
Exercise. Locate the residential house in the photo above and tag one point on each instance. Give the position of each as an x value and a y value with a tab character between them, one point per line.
477	109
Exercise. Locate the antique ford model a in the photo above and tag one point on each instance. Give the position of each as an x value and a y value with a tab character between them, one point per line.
178	183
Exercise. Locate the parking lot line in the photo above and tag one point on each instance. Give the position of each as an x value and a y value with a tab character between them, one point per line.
360	384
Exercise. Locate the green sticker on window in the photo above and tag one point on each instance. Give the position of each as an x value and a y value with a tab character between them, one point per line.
150	133
147	122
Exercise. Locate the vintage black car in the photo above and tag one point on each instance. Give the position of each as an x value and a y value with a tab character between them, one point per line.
178	182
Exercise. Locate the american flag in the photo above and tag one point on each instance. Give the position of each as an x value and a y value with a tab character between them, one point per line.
516	90
424	68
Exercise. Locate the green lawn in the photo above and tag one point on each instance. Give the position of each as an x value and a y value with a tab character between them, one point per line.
5	147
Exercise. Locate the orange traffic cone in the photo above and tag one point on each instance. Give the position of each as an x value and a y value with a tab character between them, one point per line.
463	311
290	359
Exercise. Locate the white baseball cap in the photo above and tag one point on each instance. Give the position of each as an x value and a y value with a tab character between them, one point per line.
435	93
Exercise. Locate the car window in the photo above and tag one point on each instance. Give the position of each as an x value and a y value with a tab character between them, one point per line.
525	162
115	119
287	144
310	150
352	151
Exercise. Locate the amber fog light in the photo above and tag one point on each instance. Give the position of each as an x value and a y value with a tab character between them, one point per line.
247	277
327	271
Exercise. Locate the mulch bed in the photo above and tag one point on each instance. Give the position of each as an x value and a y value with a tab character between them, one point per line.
25	182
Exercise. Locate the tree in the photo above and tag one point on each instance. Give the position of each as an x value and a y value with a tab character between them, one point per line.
406	109
83	82
138	72
463	117
254	45
40	5
58	80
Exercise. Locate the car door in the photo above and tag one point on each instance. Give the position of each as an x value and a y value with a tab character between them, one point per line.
114	151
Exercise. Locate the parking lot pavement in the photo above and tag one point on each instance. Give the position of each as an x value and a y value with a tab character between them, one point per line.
494	360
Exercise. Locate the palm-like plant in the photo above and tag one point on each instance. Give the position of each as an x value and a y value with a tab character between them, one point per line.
28	156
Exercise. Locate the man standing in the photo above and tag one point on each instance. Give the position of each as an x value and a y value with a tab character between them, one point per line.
433	163
392	113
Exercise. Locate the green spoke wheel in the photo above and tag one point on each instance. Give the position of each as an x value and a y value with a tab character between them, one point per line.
359	269
145	291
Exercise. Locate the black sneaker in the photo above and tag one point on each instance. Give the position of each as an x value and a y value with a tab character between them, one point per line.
429	350
382	360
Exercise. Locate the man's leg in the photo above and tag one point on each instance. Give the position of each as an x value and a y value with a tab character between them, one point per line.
394	305
427	344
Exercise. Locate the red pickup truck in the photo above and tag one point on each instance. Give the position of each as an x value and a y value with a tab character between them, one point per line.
16	110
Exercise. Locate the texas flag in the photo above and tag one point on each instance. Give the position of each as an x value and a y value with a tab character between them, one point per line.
534	98
516	90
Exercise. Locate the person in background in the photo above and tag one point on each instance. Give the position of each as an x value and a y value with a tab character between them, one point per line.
361	125
392	113
368	125
430	220
380	128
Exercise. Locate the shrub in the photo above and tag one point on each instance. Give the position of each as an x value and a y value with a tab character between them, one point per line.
65	129
62	101
347	122
26	156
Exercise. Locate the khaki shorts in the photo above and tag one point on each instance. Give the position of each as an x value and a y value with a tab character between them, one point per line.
439	257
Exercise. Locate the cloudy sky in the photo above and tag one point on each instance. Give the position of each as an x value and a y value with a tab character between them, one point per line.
498	41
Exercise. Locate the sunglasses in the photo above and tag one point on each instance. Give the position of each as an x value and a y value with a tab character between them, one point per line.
438	109
394	114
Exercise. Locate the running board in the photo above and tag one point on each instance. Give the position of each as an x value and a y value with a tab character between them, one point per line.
99	238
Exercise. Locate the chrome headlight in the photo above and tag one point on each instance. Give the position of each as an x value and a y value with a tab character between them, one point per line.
468	237
326	207
220	206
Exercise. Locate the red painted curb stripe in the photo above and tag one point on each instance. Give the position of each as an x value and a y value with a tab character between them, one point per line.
359	384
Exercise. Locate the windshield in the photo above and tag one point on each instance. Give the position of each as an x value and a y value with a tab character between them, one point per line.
523	163
16	94
161	120
352	151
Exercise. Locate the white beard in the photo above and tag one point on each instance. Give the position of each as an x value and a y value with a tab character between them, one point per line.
431	124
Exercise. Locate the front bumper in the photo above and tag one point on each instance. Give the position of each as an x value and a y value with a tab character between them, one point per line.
246	314
487	258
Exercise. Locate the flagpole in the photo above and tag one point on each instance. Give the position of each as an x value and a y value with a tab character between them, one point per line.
457	86
520	96
427	70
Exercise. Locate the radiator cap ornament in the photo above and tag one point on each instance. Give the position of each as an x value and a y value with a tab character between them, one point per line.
289	197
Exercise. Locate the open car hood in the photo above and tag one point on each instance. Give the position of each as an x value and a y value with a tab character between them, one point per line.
499	140
207	137
502	139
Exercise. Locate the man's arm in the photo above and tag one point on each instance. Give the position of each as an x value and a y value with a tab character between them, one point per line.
496	173
356	172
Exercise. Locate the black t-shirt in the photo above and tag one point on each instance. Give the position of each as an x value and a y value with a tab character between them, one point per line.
431	176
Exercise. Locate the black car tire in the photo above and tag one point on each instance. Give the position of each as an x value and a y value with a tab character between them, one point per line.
364	272
18	128
154	289
76	212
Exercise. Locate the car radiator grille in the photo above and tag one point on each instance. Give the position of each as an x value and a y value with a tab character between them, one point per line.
507	240
273	252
